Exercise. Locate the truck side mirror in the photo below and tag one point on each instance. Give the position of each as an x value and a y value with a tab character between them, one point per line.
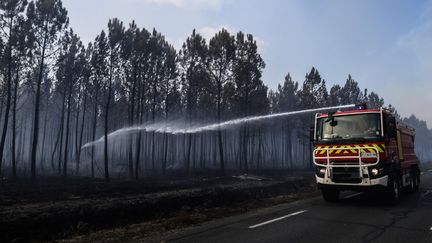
312	134
391	127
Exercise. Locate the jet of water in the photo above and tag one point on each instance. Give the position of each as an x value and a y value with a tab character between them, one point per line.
255	118
176	128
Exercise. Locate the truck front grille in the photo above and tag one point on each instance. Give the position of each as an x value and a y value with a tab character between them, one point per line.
346	175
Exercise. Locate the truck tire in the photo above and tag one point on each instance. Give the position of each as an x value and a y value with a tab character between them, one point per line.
330	195
416	180
393	191
412	186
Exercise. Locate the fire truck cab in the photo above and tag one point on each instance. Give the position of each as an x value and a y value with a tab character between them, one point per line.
364	150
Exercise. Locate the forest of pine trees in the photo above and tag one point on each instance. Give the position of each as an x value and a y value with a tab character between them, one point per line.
57	93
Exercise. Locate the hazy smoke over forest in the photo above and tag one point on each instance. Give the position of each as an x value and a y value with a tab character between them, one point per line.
58	94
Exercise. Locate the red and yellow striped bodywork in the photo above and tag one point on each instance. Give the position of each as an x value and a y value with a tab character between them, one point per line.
336	153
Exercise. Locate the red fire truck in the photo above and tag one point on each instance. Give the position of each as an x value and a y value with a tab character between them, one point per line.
364	150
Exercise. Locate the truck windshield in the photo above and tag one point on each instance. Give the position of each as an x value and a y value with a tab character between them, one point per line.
365	126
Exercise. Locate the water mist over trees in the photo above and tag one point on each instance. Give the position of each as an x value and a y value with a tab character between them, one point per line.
57	94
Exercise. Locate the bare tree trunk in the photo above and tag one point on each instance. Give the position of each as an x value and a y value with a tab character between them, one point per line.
14	122
259	159
77	131
35	136
61	134
219	132
131	122
55	149
69	101
8	95
107	106
188	153
137	155
42	161
245	147
95	115
78	155
165	159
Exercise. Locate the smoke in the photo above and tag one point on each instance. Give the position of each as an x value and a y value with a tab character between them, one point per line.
176	127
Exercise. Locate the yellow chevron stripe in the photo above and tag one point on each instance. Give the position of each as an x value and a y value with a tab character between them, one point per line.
340	150
324	151
379	148
352	149
331	151
362	150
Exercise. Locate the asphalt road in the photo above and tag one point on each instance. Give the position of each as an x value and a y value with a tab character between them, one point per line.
356	218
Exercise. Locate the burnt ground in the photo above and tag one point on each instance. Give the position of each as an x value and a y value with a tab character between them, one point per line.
83	209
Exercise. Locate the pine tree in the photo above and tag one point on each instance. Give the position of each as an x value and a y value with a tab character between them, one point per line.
221	59
48	18
11	19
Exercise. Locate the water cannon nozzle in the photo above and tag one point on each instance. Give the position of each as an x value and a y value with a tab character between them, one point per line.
361	106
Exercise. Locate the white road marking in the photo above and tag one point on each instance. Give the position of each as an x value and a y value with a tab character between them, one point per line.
430	228
277	219
422	173
353	195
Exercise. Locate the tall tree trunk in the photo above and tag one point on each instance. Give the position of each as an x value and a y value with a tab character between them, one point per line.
66	150
61	134
95	114
81	134
36	111
14	122
107	177
165	159
245	147
55	149
188	153
137	155
77	129
8	94
219	132
42	159
131	123
153	148
107	107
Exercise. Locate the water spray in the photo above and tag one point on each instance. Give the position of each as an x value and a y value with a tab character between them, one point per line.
175	128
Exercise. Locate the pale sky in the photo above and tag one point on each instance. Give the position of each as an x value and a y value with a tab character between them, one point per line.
385	45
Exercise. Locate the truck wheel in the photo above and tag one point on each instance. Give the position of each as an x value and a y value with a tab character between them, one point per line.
416	181
411	187
393	191
330	195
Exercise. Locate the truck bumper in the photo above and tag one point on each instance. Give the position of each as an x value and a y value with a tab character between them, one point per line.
366	184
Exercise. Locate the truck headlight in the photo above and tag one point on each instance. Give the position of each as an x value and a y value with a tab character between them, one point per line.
375	172
322	171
